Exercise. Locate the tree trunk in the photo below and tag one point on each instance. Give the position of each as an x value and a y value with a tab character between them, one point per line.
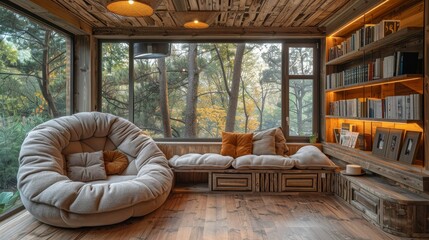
246	115
235	87
45	81
192	95
299	109
163	98
225	80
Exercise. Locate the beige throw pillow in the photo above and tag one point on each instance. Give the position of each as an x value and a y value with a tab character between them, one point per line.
264	142
85	167
310	157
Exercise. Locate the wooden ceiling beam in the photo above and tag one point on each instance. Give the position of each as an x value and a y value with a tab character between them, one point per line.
209	33
56	14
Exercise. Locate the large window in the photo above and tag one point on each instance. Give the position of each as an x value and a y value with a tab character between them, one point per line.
202	89
34	87
198	91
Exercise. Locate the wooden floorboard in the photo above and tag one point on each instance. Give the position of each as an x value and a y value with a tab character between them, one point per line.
219	216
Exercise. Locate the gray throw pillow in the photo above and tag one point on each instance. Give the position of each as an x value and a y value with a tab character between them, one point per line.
85	167
264	142
281	146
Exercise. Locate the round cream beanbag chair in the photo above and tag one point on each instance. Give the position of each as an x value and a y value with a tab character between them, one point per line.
63	182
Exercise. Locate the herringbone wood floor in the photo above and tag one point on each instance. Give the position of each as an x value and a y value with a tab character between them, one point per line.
219	216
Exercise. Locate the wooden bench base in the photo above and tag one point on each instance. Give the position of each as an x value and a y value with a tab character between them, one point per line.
254	181
394	209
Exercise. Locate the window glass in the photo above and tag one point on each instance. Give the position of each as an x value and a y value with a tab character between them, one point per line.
300	61
34	87
115	79
300	107
301	81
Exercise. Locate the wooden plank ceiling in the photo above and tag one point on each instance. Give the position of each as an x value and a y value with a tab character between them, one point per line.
293	16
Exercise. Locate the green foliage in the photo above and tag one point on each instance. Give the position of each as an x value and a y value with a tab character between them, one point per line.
8	54
7	200
12	134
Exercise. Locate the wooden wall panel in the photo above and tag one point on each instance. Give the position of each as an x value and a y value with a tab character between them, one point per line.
82	74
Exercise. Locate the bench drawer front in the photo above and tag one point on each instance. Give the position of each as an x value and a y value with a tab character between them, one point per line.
232	182
365	202
299	182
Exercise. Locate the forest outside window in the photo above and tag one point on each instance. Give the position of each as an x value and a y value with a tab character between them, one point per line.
199	90
35	86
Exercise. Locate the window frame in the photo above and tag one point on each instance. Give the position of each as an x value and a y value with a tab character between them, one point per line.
316	87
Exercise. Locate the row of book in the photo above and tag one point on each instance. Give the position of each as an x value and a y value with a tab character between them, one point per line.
367	34
404	107
349	76
399	63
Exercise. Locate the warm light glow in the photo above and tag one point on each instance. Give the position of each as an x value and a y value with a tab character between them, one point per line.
130	8
196	24
358	18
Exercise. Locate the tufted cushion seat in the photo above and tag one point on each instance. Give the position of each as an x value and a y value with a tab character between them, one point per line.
201	161
263	162
52	197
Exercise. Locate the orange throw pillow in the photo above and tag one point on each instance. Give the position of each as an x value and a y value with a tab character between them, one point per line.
115	162
236	144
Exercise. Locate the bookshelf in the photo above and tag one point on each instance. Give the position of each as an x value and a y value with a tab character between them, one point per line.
408	38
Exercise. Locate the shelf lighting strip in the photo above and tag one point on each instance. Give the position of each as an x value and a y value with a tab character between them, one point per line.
358	18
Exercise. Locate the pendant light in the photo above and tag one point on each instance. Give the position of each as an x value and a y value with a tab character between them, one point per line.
130	8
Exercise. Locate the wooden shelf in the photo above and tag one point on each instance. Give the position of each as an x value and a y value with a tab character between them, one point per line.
409	175
390	40
375	119
396	79
346	57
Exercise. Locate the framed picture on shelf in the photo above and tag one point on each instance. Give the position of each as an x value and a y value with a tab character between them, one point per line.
379	144
394	144
409	147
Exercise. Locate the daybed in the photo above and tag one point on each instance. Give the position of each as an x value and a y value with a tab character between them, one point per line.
45	171
266	169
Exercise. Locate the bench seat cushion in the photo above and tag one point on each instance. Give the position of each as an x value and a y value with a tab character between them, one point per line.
201	161
263	162
310	157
